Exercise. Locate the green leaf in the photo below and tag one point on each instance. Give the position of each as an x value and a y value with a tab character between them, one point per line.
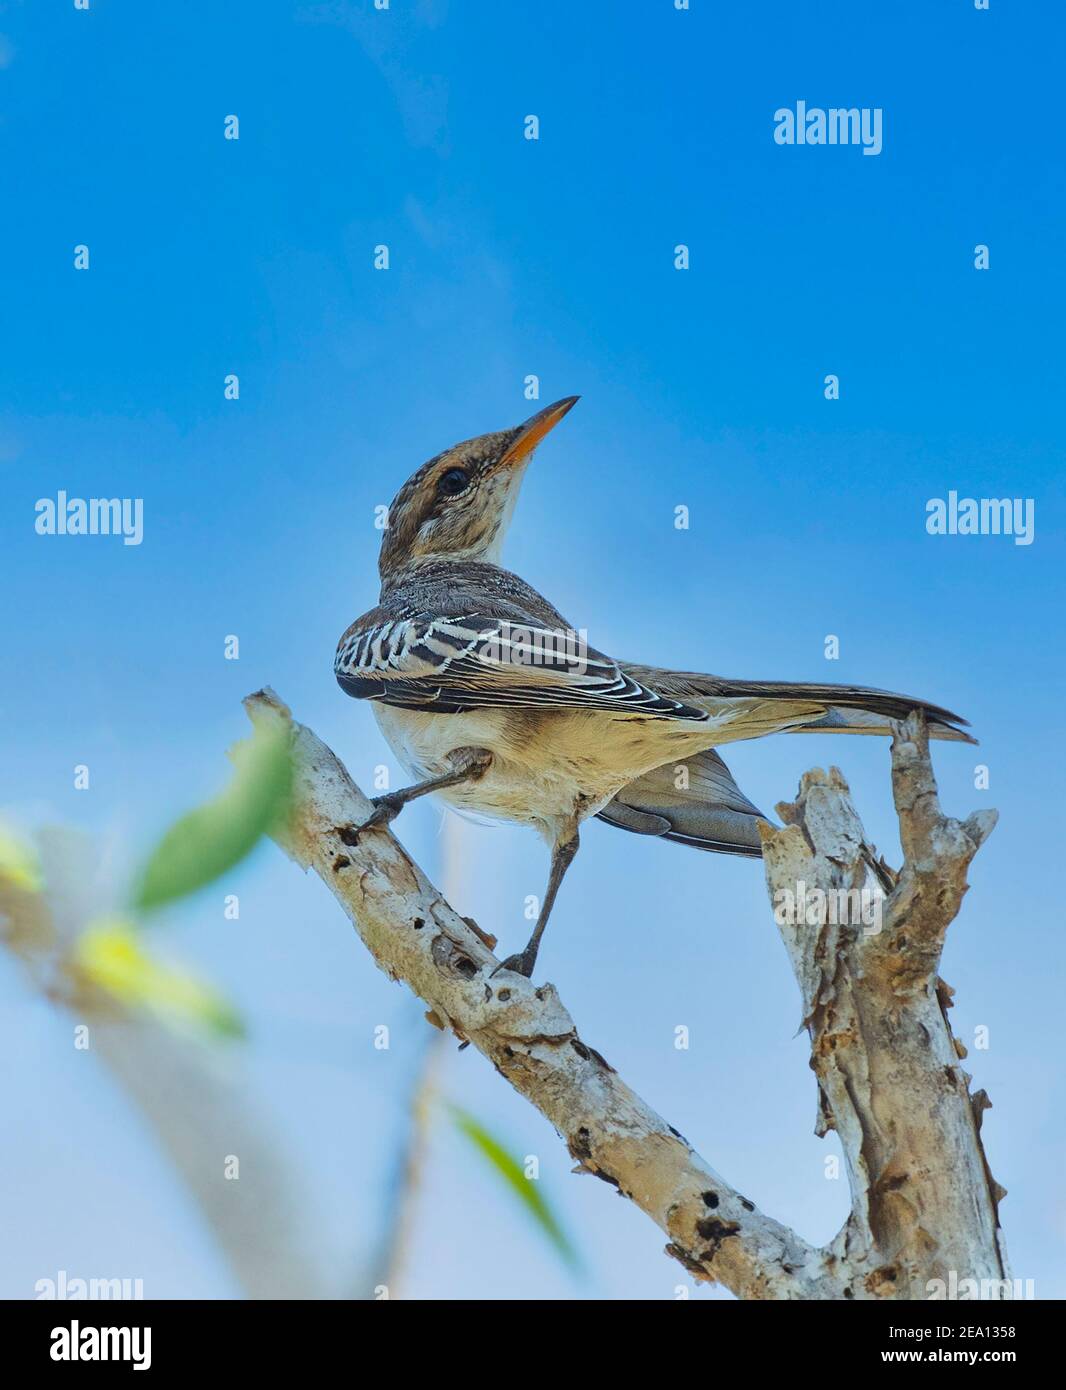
110	953
207	842
510	1169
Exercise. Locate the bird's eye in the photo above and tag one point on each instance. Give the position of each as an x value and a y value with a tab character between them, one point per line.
453	482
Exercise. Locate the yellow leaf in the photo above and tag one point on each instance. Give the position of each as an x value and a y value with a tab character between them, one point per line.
109	952
19	864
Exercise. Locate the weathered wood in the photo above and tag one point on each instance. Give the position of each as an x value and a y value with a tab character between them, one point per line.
923	1203
529	1037
888	1067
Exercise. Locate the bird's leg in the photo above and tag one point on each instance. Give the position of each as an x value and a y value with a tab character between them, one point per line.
563	852
468	764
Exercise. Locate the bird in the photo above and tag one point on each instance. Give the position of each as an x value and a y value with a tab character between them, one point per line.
491	700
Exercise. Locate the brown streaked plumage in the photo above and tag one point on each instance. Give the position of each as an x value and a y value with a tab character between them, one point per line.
490	699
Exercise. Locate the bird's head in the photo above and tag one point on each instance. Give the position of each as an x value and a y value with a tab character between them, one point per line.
459	504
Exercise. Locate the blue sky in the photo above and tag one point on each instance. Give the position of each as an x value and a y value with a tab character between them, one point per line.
701	388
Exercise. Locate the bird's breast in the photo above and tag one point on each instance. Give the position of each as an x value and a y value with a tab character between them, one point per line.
422	741
546	765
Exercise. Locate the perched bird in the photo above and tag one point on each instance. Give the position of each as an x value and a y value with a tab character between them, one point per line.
489	697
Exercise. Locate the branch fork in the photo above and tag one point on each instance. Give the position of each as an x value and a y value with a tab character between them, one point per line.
887	1066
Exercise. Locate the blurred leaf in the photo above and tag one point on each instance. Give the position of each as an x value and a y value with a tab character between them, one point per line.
511	1171
19	863
110	953
206	842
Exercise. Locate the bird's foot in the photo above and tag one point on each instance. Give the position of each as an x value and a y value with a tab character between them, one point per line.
521	964
386	809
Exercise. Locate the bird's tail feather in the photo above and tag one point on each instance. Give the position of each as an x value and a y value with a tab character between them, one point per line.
763	707
854	708
842	719
851	709
694	801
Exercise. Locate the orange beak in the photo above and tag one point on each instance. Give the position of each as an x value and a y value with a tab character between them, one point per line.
533	431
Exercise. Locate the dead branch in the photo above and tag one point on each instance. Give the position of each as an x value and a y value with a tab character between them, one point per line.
887	1065
529	1037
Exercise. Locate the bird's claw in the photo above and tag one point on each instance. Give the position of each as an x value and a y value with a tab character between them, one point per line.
521	964
386	809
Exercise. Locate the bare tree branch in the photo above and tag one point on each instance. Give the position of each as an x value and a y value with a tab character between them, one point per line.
923	1202
924	1206
529	1037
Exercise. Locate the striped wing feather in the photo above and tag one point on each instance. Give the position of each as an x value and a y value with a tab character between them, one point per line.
474	661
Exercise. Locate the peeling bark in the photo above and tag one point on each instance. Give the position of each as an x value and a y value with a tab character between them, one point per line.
529	1037
886	1062
888	1066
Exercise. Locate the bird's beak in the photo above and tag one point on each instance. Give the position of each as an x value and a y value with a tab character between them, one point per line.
529	435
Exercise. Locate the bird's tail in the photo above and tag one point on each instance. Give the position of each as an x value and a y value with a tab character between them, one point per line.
750	709
852	709
695	800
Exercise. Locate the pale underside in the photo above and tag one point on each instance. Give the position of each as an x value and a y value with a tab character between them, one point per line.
551	768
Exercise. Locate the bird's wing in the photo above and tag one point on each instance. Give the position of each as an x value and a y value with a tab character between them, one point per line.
694	801
477	660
